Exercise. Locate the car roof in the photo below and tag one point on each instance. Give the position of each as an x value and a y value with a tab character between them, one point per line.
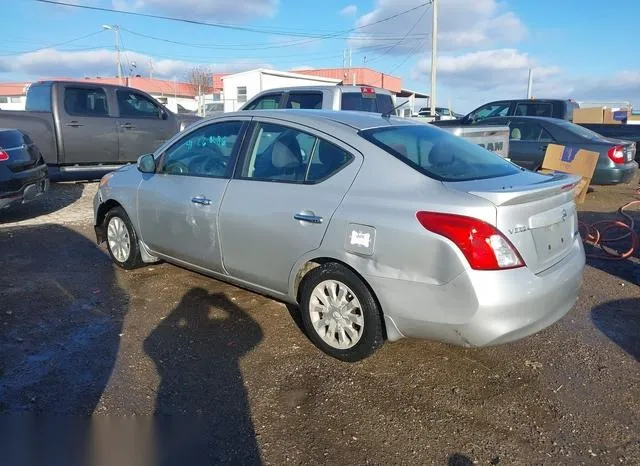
328	87
355	119
531	118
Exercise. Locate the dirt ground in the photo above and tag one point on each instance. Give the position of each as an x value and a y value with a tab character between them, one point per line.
221	375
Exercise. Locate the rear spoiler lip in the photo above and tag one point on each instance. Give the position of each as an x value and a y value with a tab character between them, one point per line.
520	194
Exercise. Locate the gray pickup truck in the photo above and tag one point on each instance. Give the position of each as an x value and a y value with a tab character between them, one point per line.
85	130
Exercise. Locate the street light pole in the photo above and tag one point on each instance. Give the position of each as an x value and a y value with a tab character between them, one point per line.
116	29
434	46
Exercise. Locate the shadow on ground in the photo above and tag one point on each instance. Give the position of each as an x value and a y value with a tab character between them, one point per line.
625	269
620	321
59	324
202	410
59	196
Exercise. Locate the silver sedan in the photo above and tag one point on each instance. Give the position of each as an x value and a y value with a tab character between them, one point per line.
376	228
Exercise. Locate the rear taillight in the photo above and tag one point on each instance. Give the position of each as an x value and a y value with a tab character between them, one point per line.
616	154
3	156
483	245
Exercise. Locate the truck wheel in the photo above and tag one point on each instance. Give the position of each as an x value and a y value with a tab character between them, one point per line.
339	313
122	240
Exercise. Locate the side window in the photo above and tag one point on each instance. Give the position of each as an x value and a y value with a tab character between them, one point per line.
38	98
134	105
528	131
499	109
207	151
4	99
310	100
85	102
327	159
266	102
285	154
533	109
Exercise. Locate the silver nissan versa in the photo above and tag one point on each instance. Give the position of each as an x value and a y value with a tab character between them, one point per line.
376	227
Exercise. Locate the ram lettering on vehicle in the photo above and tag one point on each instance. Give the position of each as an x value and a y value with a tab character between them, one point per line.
492	146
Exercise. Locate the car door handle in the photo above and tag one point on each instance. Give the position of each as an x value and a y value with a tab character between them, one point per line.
201	200
127	126
74	124
307	217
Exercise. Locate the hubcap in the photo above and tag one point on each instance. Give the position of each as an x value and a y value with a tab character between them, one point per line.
118	239
336	314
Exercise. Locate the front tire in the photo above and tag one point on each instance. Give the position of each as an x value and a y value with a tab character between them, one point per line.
340	314
122	240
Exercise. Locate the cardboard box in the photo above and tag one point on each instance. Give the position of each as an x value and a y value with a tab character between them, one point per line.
615	117
588	115
573	161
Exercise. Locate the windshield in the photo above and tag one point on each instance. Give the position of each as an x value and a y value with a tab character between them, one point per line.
579	130
439	154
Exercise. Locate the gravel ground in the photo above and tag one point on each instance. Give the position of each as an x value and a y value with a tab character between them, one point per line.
243	385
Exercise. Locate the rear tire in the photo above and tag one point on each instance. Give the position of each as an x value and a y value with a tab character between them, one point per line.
122	240
340	314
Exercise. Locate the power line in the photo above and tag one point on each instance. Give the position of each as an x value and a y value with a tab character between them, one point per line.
233	26
57	44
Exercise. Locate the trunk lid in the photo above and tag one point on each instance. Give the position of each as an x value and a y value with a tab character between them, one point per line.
22	152
537	213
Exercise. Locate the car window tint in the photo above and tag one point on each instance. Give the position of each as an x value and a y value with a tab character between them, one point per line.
528	131
384	103
207	151
327	159
85	101
439	154
134	105
267	102
534	109
309	100
277	155
490	110
363	102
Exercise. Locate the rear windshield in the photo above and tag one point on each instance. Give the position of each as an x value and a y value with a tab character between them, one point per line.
580	130
380	103
439	154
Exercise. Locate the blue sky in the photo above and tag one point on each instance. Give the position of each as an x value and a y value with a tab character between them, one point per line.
585	50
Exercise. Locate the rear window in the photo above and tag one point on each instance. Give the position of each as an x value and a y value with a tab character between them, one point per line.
580	131
438	154
381	103
39	98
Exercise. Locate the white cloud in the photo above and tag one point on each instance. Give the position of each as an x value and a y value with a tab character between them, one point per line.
203	9
461	25
349	10
51	63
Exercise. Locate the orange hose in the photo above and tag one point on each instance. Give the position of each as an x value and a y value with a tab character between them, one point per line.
592	236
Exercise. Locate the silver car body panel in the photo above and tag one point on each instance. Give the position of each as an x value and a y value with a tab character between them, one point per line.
425	286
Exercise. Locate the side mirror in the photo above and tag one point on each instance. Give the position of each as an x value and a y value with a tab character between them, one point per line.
146	163
163	114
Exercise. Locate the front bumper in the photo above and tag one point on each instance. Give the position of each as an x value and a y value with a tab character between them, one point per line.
25	186
481	308
617	175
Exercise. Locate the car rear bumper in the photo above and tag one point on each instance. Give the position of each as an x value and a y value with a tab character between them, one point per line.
25	186
623	174
481	308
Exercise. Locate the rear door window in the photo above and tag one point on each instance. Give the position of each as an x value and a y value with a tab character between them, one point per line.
438	154
82	101
309	100
39	98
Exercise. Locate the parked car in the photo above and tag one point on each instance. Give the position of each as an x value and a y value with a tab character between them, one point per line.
553	108
530	136
359	98
375	227
23	173
85	130
442	113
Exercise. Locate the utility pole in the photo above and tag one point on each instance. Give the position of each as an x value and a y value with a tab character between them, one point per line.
434	47
530	84
116	29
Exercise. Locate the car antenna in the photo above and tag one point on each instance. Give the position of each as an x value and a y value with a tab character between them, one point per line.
388	114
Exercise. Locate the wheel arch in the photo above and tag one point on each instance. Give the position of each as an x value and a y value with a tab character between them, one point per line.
308	265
